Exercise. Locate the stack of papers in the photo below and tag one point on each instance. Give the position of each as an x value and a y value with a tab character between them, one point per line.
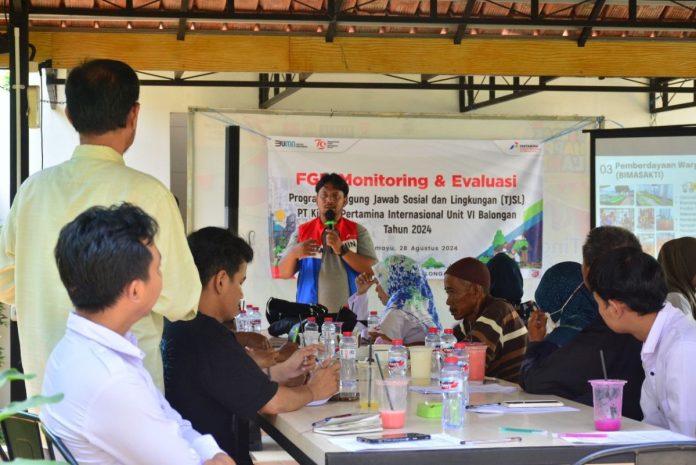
349	424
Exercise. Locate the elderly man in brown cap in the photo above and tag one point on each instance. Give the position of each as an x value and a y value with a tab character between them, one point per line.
485	318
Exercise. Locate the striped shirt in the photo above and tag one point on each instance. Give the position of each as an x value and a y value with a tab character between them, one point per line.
503	331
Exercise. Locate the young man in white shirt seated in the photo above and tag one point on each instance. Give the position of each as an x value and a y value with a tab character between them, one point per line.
112	413
630	290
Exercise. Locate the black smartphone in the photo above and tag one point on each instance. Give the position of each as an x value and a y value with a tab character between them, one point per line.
396	437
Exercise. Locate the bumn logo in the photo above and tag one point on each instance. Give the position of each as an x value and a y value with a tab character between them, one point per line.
285	143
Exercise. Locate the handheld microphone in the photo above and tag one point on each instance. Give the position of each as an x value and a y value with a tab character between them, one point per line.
330	222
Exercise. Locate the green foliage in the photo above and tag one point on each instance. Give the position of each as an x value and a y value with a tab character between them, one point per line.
14	375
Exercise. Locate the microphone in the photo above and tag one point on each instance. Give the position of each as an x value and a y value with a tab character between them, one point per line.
330	222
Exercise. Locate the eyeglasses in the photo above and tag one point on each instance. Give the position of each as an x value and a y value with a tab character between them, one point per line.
560	310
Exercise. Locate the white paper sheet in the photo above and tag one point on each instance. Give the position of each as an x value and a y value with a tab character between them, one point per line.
626	437
503	410
436	441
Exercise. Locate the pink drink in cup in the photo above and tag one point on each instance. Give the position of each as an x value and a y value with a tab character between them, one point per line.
393	418
392	397
477	360
607	396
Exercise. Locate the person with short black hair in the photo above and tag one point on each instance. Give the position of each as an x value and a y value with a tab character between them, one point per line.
209	378
630	290
329	252
562	369
102	105
112	412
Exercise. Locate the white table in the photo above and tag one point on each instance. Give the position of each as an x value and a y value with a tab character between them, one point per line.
293	431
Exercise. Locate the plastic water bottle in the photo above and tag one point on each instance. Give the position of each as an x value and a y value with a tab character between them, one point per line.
463	364
397	356
348	350
432	339
372	321
254	317
447	342
452	400
311	332
328	335
241	321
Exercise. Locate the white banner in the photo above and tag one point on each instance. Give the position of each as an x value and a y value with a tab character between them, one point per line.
434	200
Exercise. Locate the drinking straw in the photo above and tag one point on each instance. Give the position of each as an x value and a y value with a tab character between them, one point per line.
381	375
369	376
604	365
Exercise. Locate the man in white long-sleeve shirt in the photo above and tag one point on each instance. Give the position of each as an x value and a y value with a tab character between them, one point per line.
630	290
112	413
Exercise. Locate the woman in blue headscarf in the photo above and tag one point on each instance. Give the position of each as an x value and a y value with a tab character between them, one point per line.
410	308
562	295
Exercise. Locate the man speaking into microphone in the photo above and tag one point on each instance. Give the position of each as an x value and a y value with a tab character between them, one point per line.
330	251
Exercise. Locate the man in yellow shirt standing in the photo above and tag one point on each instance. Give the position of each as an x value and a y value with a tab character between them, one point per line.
102	105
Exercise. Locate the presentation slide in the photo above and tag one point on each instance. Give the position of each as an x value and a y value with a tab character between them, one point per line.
647	185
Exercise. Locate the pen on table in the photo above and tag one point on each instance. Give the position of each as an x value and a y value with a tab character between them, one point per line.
583	435
492	441
327	419
508	429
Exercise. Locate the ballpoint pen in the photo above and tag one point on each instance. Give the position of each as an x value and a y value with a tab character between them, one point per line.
492	441
328	419
508	429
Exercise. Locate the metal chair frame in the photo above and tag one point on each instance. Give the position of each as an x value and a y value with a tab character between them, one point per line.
654	453
34	440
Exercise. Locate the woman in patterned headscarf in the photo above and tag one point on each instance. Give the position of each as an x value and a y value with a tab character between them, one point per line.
410	309
563	296
678	260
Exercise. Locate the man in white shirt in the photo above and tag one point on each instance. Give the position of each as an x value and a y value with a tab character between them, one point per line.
112	413
630	290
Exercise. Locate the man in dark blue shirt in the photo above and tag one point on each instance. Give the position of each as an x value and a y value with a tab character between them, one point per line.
209	378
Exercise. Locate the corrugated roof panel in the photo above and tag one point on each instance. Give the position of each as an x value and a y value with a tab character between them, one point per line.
307	5
403	7
275	5
442	7
372	6
210	5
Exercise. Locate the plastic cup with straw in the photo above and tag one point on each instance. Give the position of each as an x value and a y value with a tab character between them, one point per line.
393	399
607	396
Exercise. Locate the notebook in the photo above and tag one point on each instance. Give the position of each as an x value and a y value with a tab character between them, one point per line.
352	423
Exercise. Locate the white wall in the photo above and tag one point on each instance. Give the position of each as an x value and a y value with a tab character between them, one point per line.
150	152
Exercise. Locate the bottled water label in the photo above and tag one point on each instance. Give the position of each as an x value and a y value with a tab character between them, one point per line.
397	363
452	384
350	353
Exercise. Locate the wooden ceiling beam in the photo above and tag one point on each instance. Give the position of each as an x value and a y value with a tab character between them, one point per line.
371	55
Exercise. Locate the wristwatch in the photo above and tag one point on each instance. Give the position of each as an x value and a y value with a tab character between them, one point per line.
344	250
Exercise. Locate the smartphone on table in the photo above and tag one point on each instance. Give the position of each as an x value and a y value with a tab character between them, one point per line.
532	403
395	437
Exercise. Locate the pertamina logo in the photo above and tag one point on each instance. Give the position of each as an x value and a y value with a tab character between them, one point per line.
320	144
